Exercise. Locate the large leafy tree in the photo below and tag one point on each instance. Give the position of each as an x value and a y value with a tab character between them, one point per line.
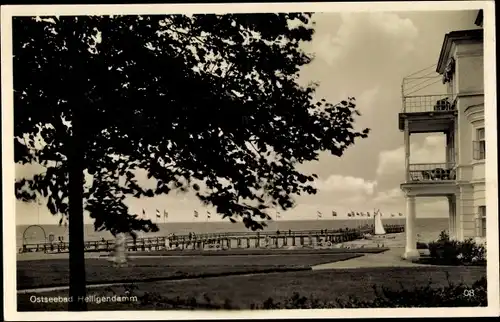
208	103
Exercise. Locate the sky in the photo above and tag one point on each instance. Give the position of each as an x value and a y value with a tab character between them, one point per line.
364	55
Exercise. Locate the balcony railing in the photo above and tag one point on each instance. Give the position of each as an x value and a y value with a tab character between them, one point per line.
428	172
428	103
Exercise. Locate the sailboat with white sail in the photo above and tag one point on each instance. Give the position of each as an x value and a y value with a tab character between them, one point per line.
377	224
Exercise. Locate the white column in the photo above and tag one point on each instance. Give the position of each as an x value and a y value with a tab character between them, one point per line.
455	228
466	222
453	217
479	228
407	150
447	157
411	251
456	156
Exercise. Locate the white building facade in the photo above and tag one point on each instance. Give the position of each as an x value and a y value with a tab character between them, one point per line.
459	114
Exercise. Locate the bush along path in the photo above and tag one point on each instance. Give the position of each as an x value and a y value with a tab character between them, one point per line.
445	251
451	295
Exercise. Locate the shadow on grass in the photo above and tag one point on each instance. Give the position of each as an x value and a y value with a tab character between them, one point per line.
55	273
179	275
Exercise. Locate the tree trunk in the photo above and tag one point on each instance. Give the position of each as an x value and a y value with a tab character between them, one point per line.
120	256
77	278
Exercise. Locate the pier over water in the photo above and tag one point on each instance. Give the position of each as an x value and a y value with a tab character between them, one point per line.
221	241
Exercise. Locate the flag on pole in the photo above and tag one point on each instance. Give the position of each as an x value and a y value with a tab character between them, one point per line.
319	214
196	214
143	213
334	213
368	214
209	215
278	215
158	214
165	214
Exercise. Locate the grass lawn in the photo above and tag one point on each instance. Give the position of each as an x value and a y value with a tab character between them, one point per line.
242	291
55	272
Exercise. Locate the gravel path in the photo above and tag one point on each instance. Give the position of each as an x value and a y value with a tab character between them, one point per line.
390	258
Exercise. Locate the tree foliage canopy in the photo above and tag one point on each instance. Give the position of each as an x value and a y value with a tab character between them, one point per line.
203	102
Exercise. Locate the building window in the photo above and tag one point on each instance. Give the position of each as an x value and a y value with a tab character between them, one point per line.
480	145
482	220
449	71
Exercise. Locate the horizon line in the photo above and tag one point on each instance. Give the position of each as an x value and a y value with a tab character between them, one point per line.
239	222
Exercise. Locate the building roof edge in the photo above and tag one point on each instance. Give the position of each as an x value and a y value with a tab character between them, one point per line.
449	39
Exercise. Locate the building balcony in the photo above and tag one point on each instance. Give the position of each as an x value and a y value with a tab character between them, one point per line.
431	172
428	113
428	104
431	180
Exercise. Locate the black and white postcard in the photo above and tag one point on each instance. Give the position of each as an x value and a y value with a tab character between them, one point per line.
249	160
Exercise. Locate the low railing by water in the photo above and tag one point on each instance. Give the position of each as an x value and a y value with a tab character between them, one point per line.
238	240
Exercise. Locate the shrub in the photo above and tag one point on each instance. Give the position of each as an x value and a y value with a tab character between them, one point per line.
421	245
452	295
451	252
444	252
443	236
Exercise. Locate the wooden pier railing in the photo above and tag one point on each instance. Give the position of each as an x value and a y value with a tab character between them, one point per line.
237	240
